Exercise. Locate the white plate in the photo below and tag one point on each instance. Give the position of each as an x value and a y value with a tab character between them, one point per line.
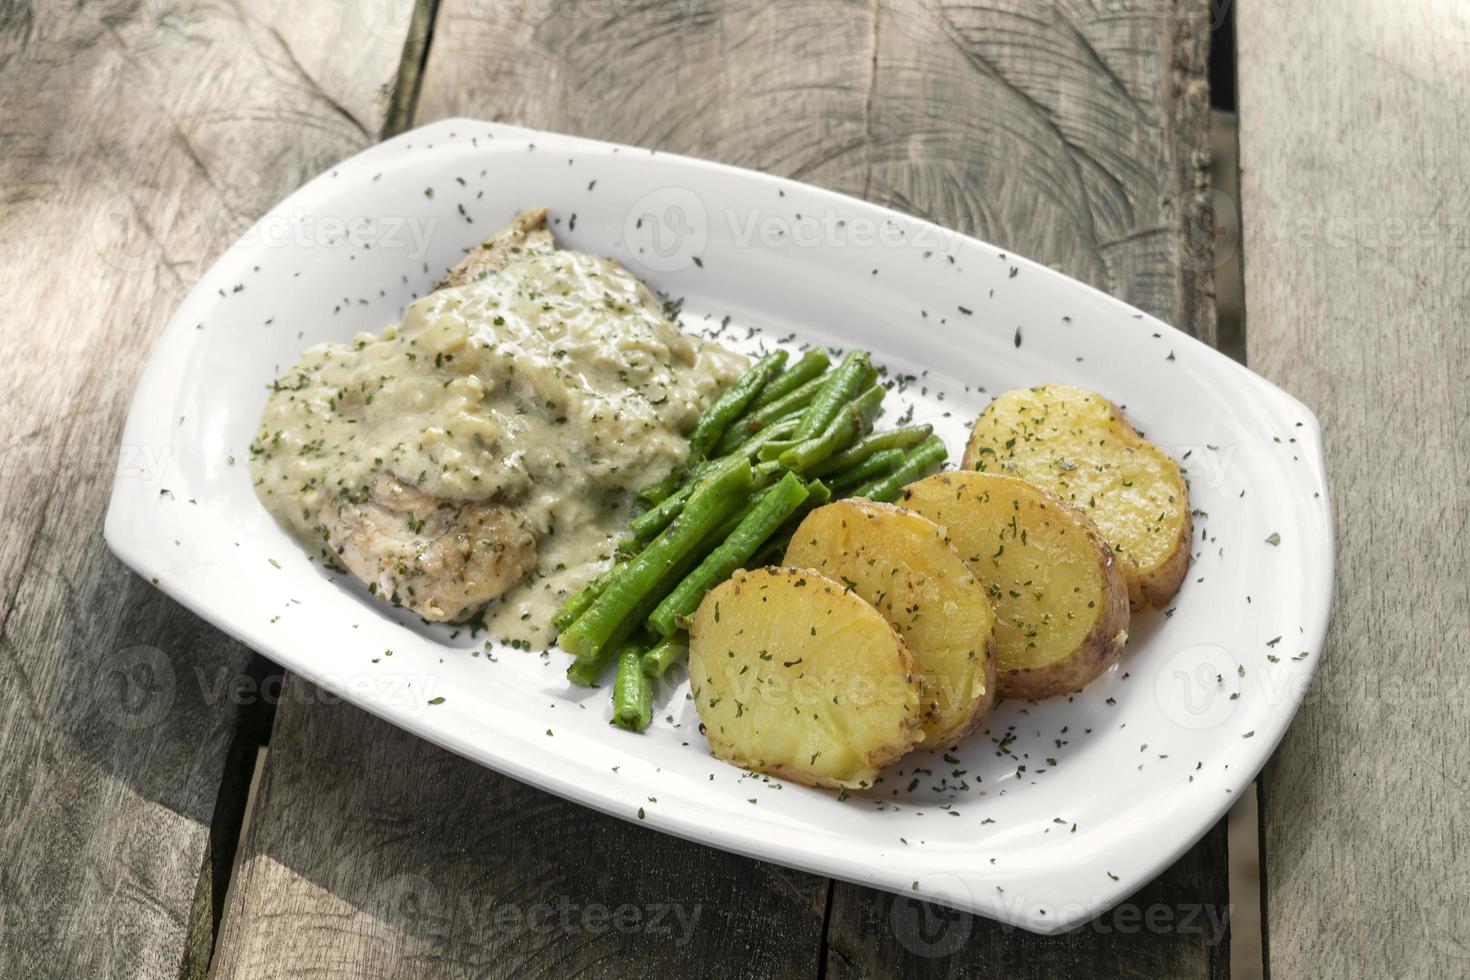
1059	810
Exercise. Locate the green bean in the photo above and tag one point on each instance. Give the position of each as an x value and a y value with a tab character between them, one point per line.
587	670
649	523
879	464
843	385
846	427
779	429
574	606
731	405
817	494
665	653
765	473
794	400
904	438
632	695
812	363
655	519
773	552
577	603
760	523
929	454
715	499
655	492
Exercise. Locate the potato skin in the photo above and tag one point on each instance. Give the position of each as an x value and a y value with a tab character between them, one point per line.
962	502
1073	442
901	563
1157	587
757	628
1102	648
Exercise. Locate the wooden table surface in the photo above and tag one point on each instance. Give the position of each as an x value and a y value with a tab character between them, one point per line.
139	137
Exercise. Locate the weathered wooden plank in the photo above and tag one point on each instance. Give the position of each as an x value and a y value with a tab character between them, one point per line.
375	854
1074	133
134	140
953	126
1354	194
515	847
1177	926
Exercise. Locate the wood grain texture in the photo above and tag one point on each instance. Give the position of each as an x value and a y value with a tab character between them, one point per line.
1354	196
1069	132
1176	926
135	140
376	854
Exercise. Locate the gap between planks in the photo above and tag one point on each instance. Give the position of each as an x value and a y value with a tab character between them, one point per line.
245	761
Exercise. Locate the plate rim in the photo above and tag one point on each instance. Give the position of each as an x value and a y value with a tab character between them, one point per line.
133	550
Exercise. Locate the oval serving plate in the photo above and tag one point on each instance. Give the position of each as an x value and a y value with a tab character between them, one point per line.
1047	816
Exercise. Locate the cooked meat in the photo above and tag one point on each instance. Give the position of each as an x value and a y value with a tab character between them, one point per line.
498	428
525	233
443	559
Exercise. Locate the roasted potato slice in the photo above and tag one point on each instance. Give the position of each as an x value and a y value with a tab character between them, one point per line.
901	563
794	676
1061	604
1082	448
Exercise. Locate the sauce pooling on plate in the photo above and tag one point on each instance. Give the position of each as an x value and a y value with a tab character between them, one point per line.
496	432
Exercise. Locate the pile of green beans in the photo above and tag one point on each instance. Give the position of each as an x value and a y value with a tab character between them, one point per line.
774	446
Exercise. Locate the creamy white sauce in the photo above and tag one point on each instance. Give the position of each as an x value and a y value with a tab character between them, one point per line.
556	386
